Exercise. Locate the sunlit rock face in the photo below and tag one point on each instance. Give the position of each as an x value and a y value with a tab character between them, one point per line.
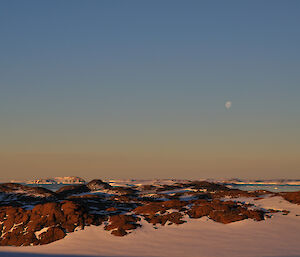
293	197
35	215
44	223
98	184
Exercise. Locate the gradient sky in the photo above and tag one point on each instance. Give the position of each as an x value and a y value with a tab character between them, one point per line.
136	89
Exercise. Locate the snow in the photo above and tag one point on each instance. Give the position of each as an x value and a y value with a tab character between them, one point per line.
38	233
275	237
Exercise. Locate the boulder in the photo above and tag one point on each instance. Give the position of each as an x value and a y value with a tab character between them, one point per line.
98	184
52	234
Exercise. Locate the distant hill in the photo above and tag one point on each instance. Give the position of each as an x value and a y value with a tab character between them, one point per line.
58	180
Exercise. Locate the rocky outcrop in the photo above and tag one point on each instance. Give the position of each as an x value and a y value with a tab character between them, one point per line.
235	193
98	184
51	234
293	197
224	211
71	190
161	207
18	195
124	191
172	218
147	187
43	224
150	209
207	186
35	216
120	224
18	189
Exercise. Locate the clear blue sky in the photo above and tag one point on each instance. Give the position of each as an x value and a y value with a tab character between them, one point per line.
137	88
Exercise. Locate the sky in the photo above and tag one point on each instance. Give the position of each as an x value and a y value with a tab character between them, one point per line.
137	89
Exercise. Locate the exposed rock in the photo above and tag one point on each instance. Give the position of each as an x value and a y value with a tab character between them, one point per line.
85	196
174	204
224	212
207	185
226	217
150	208
119	232
167	187
111	209
34	216
121	198
122	223
52	234
147	187
25	190
71	190
155	207
17	194
124	191
98	184
293	197
19	225
174	217
235	193
199	211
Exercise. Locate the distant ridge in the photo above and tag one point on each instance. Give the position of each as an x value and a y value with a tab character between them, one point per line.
122	182
261	181
58	180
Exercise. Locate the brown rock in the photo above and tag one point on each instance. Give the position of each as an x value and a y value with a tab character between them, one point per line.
125	222
29	238
51	235
111	209
174	217
18	189
293	197
199	211
70	190
119	232
224	211
150	208
174	204
98	184
226	217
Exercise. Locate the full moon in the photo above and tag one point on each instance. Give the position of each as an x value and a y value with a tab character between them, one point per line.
228	105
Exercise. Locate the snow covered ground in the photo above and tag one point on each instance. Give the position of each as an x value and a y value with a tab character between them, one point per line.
275	237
